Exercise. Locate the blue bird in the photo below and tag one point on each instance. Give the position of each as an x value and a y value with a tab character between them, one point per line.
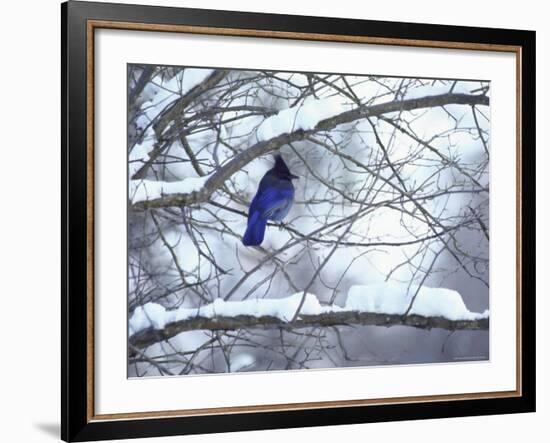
272	201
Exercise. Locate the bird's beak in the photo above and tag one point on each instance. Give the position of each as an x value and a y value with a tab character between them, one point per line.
292	176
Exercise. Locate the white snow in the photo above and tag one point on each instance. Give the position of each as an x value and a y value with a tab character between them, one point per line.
392	298
142	190
386	298
178	85
138	156
150	314
304	116
193	77
140	153
147	95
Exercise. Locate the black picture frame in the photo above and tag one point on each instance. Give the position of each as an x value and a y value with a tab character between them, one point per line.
77	424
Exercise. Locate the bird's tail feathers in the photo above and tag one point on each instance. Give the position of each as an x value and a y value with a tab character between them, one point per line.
255	230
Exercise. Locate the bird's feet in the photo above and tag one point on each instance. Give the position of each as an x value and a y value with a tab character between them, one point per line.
282	226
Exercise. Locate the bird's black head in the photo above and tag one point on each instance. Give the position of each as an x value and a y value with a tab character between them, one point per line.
282	169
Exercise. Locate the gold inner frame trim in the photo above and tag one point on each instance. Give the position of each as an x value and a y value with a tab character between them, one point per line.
90	109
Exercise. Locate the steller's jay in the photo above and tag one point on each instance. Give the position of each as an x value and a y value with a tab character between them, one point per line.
272	201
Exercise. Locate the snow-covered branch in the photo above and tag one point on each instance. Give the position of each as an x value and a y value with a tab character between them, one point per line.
377	305
299	132
143	190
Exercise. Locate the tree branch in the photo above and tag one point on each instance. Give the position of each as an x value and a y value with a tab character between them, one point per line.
150	336
179	105
172	113
218	178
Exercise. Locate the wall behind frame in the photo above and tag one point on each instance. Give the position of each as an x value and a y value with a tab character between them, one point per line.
29	227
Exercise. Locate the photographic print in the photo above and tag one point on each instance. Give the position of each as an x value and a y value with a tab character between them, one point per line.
303	220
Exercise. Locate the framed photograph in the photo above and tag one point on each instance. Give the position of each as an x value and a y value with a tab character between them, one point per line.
277	221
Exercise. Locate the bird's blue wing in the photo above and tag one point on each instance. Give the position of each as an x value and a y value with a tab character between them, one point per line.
270	199
271	202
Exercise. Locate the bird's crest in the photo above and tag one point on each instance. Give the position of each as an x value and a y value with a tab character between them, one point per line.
280	164
282	168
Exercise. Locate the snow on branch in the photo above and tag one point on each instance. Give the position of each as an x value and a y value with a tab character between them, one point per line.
301	124
143	190
380	305
300	117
